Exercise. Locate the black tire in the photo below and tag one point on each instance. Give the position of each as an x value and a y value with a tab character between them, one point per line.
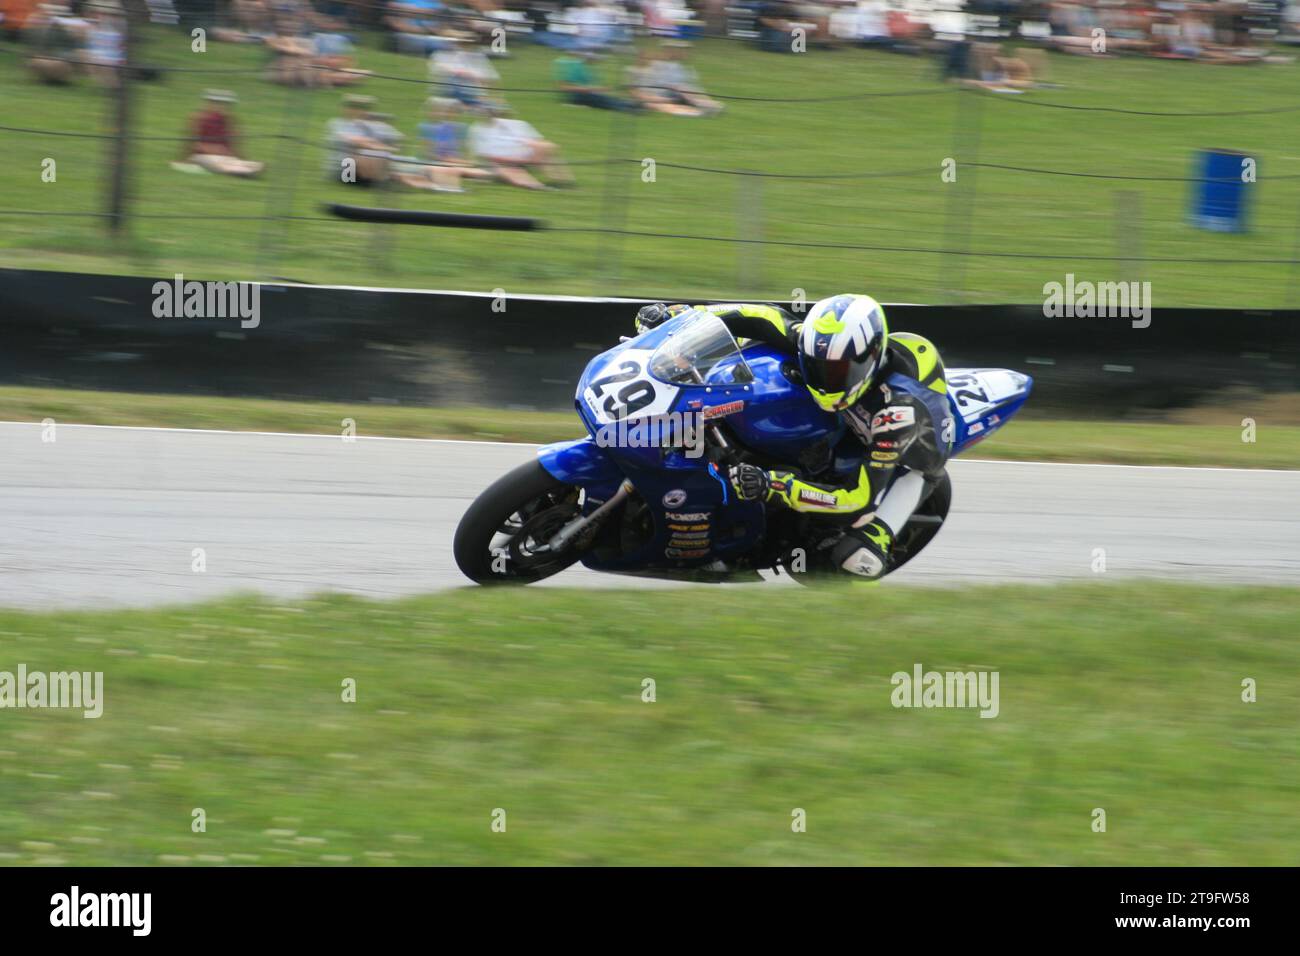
917	534
530	486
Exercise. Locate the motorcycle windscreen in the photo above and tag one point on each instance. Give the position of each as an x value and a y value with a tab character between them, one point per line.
700	351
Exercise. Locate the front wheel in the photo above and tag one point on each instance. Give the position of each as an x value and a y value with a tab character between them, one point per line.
502	539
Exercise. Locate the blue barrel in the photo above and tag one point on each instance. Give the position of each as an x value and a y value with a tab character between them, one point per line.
1219	197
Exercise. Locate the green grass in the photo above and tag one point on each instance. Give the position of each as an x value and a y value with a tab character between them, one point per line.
1132	443
1125	698
1142	443
1012	211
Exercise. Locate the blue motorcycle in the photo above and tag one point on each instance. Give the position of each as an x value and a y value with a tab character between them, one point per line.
646	493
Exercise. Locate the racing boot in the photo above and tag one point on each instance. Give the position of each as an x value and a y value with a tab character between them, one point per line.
864	551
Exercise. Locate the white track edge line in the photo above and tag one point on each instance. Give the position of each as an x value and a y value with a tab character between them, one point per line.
520	444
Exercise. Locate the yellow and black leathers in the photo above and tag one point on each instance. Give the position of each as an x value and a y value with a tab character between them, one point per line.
904	420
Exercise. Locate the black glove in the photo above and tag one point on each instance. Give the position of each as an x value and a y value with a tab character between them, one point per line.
750	481
650	316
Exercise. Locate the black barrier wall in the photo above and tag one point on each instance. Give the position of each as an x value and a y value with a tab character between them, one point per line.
352	344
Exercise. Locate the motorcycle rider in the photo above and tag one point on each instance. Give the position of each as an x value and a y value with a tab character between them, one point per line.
889	389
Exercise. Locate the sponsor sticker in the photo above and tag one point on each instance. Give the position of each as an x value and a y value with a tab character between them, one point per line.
686	553
675	498
721	411
687	516
819	498
892	419
884	455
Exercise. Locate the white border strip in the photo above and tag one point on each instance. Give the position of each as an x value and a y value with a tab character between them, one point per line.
532	297
337	436
521	444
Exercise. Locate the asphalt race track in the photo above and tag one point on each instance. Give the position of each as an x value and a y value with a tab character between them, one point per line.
112	517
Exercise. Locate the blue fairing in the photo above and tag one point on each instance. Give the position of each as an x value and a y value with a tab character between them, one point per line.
780	418
694	519
983	400
580	462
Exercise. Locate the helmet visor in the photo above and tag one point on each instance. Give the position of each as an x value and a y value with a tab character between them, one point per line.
828	375
831	376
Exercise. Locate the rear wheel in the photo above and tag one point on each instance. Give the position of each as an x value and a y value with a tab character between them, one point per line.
502	539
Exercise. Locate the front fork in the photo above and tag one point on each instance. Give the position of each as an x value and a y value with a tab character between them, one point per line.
562	538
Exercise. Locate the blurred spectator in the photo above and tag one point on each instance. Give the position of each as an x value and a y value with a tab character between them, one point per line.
578	83
646	93
714	16
340	14
409	171
57	38
661	17
18	16
906	33
481	19
464	73
363	151
863	23
355	155
815	18
993	68
1128	26
776	22
675	80
1175	30
1289	31
544	19
444	132
599	25
308	56
1072	28
513	150
1096	31
105	53
444	136
418	26
250	21
1192	37
212	144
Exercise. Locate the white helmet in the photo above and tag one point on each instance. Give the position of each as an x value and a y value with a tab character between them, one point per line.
841	348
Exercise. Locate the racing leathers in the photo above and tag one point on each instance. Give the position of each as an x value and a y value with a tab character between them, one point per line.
903	421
